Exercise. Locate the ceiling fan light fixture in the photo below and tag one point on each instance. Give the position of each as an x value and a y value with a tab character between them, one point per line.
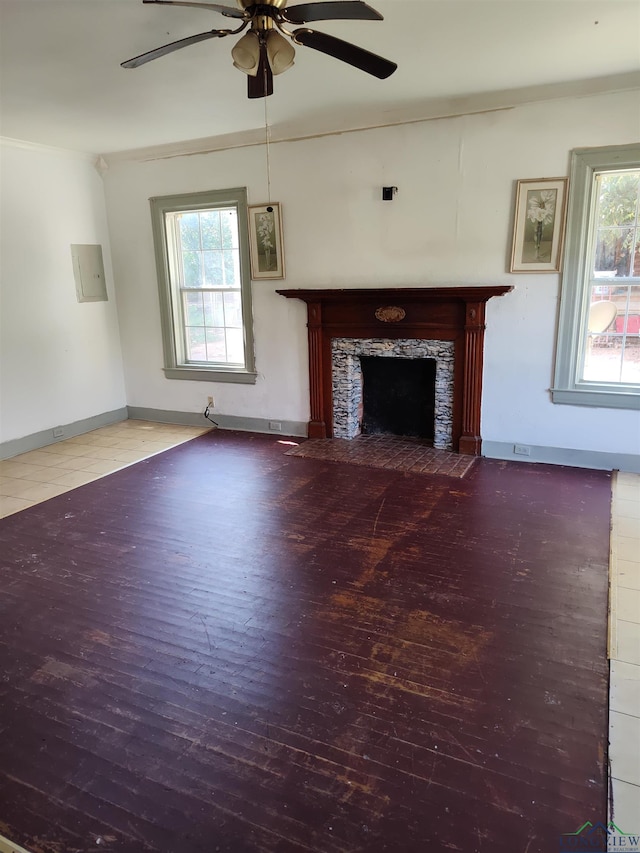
246	53
263	51
280	52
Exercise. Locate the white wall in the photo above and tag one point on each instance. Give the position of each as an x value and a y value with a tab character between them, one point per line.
449	224
60	361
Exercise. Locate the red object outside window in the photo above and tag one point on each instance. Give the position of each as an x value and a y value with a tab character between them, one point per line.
633	324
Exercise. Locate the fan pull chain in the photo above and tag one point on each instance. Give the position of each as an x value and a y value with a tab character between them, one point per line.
267	140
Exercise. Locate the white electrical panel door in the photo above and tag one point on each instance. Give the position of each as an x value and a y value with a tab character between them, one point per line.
88	271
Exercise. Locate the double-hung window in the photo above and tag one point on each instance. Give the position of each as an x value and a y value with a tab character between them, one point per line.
201	243
598	357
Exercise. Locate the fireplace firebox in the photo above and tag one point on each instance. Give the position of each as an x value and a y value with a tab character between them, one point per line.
447	321
398	396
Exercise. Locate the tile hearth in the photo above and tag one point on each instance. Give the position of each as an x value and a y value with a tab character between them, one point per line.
387	451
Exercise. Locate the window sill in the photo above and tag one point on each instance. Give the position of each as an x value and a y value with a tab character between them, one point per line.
208	374
597	398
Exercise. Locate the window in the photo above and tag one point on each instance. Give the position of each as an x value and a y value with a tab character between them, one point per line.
598	358
201	245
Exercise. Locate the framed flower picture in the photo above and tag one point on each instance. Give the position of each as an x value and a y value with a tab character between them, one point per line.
265	241
538	229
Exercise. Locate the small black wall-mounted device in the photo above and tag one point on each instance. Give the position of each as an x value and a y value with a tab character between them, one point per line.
388	193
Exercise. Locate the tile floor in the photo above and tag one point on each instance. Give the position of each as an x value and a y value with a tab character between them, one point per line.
624	653
35	476
41	474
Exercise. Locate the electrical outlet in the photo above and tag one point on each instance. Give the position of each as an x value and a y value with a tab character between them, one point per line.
522	450
276	426
210	401
58	432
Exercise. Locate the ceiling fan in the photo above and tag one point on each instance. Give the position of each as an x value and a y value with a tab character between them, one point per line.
263	51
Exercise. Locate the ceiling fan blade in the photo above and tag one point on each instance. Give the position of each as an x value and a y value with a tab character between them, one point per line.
169	48
229	11
333	10
261	85
349	53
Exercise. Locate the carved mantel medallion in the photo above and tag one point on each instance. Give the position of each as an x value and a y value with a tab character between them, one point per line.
390	314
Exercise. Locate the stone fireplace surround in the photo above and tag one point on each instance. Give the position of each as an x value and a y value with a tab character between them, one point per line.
412	321
347	384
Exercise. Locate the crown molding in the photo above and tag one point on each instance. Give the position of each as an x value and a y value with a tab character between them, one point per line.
335	124
25	145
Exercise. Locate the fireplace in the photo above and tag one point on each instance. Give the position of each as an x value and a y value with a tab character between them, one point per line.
347	355
445	324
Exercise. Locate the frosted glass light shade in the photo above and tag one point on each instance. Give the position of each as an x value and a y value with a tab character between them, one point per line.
246	53
280	52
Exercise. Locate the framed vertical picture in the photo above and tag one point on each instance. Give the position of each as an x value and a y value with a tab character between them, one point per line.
265	241
538	229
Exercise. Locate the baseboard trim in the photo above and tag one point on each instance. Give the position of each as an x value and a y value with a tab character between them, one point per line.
46	437
491	449
600	460
243	424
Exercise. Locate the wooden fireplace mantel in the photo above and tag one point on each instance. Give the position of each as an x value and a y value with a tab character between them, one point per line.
426	313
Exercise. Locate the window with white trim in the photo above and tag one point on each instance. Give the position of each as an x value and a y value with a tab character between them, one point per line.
201	243
598	356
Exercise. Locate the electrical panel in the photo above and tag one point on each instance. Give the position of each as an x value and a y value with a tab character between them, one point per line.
88	271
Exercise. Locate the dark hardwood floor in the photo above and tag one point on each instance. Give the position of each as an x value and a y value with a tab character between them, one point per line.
224	648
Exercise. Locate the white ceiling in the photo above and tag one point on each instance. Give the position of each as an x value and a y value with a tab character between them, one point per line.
61	83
